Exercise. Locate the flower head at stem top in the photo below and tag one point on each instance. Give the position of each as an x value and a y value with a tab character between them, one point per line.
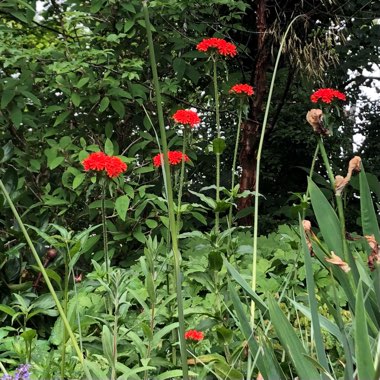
194	335
327	95
186	118
174	156
99	161
241	89
218	45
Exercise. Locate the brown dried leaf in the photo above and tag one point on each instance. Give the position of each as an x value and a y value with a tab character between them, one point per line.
374	257
340	184
315	118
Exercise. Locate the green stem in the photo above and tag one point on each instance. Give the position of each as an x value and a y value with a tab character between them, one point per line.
181	180
169	191
235	159
65	303
217	119
256	211
104	225
44	274
326	162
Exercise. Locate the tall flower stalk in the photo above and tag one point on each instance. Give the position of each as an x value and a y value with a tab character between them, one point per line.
240	90
44	274
257	183
217	47
169	194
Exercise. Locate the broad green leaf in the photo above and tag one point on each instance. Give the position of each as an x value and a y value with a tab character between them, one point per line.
225	371
122	206
16	116
6	98
82	82
291	343
7	310
118	107
78	180
108	147
107	344
61	118
364	361
328	221
104	104
369	220
174	373
76	99
56	162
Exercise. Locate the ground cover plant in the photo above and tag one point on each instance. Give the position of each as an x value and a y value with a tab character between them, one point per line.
117	264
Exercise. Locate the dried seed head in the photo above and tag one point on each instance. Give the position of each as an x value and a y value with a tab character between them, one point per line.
51	253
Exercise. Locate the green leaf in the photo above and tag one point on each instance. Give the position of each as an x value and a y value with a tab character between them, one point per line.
179	66
107	344
218	145
76	99
327	219
82	82
6	98
122	205
16	116
7	310
368	214
61	118
215	261
118	107
364	361
104	104
291	343
246	287
108	147
78	180
162	332
311	290
174	373
56	162
225	371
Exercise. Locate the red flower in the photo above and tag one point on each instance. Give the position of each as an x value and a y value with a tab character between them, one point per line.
95	161
194	335
221	46
327	95
115	166
174	157
186	117
99	161
243	89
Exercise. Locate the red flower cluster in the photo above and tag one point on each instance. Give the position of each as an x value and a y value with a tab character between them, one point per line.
186	117
221	46
327	95
242	89
99	161
194	335
174	156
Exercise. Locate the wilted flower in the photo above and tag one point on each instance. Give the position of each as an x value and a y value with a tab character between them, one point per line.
194	335
186	117
327	95
219	45
174	157
340	184
336	260
374	257
315	118
242	89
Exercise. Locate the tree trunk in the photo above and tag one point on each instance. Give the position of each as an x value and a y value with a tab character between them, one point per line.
251	129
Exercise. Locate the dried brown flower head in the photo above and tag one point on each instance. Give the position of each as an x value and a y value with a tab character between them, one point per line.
315	118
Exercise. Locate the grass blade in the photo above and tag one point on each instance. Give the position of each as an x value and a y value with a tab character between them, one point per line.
364	361
320	349
291	343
